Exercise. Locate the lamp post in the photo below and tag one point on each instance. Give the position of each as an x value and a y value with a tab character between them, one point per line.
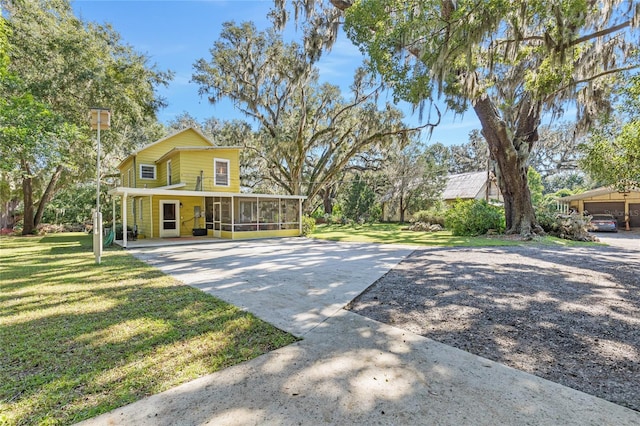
100	120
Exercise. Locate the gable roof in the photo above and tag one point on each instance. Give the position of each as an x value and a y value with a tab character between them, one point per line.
464	185
159	141
206	139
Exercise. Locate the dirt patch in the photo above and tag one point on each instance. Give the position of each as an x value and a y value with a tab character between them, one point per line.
569	315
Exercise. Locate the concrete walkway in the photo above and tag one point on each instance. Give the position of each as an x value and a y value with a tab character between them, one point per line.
348	369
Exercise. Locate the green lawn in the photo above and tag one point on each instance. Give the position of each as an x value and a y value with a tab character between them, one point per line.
393	233
79	339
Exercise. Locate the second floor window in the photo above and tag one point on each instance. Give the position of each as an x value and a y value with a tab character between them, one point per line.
147	171
169	174
221	172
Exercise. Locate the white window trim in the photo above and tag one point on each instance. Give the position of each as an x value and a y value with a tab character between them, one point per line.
130	177
169	174
215	175
155	171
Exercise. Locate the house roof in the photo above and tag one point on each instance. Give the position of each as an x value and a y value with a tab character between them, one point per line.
464	185
139	150
192	148
603	190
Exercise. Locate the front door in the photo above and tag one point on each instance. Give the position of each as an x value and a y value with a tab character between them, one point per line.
169	218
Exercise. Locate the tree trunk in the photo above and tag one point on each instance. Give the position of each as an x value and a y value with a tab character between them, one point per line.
510	155
48	194
327	202
402	209
27	191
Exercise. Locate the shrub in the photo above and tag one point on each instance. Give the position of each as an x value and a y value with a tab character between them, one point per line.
546	219
474	217
308	225
432	217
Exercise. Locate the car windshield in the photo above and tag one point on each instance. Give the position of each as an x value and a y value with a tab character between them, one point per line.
602	217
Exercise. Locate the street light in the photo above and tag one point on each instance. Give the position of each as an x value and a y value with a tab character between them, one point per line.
100	119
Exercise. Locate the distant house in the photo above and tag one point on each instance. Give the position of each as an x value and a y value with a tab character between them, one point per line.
471	186
184	185
624	206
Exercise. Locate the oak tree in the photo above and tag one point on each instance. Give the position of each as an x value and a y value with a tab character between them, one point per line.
307	133
62	67
509	61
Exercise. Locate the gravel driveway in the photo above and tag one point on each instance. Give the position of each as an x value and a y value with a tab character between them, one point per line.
570	315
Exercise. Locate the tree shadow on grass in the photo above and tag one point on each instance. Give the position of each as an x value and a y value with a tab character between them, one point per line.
73	348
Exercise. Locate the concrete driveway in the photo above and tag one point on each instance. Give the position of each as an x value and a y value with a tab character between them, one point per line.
294	284
628	240
348	369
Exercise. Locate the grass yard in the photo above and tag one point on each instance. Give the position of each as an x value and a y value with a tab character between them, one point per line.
79	339
392	233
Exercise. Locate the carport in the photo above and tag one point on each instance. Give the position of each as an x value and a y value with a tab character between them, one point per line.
624	206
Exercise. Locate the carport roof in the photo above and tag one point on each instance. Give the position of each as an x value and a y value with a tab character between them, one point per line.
591	193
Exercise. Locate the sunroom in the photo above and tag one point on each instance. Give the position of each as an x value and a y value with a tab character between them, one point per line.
160	213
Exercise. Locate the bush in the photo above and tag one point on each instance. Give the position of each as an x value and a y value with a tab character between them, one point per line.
546	219
432	217
308	225
474	217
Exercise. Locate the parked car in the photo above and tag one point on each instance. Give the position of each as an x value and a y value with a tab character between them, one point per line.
604	222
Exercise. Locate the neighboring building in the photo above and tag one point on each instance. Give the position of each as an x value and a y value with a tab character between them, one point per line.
625	207
471	186
184	185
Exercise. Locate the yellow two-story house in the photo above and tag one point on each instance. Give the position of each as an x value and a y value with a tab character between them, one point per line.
184	185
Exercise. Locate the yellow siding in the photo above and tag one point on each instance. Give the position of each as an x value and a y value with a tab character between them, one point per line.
162	173
144	224
124	173
187	220
151	153
192	162
155	213
175	168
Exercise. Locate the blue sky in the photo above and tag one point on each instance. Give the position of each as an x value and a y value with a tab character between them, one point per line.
174	34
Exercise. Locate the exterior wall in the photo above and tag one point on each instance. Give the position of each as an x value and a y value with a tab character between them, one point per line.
192	162
162	172
151	153
631	198
187	219
188	163
143	222
133	216
124	173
